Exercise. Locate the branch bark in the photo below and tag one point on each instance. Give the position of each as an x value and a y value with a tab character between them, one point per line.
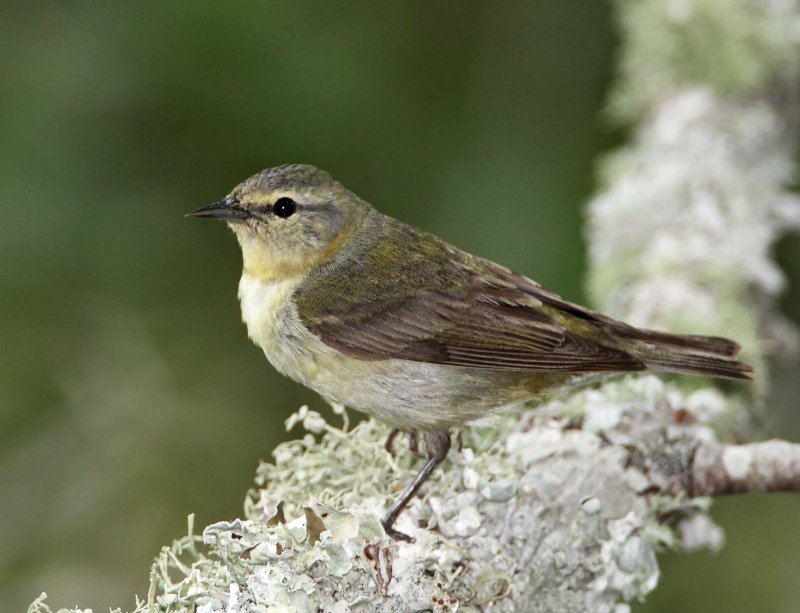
770	466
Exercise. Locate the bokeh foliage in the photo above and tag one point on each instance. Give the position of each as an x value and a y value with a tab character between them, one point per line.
129	394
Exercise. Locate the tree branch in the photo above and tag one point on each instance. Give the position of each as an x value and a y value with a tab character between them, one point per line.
771	466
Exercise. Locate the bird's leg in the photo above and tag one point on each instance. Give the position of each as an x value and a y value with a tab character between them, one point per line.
437	444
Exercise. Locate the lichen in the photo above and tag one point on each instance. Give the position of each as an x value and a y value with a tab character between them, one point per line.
733	48
564	506
682	239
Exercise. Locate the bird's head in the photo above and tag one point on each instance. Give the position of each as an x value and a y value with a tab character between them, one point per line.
289	219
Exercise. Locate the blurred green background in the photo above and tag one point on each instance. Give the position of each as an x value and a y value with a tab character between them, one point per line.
129	393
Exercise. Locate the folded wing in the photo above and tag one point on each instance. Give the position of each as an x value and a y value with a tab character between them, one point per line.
480	320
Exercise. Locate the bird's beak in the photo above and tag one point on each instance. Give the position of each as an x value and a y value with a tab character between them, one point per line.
226	210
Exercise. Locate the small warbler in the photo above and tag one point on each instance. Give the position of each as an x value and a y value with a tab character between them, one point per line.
389	320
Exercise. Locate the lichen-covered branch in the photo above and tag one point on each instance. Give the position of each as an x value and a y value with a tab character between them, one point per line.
564	506
771	466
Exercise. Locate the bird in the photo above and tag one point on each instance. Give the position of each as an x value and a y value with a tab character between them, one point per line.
392	321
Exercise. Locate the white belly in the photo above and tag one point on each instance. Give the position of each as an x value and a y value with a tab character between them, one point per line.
411	395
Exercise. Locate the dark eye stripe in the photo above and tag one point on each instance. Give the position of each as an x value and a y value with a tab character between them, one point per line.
312	207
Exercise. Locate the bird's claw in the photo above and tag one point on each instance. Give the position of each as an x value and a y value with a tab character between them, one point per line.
396	534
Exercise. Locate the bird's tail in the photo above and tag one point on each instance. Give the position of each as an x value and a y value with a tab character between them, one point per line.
700	355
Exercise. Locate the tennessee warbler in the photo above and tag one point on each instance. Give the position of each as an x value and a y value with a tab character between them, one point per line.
392	321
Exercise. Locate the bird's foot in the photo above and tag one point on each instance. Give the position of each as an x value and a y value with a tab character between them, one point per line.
413	443
389	444
392	532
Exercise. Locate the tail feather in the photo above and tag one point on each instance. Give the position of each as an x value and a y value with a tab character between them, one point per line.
682	353
700	365
701	355
710	345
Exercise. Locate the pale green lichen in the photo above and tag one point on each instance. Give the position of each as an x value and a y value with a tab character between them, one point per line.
734	48
518	484
682	237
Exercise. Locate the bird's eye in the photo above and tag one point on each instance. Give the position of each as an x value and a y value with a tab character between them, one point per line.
284	207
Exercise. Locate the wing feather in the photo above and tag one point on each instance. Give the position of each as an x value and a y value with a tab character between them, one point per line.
396	292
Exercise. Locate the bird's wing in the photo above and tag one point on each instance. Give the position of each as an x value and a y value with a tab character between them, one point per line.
467	312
